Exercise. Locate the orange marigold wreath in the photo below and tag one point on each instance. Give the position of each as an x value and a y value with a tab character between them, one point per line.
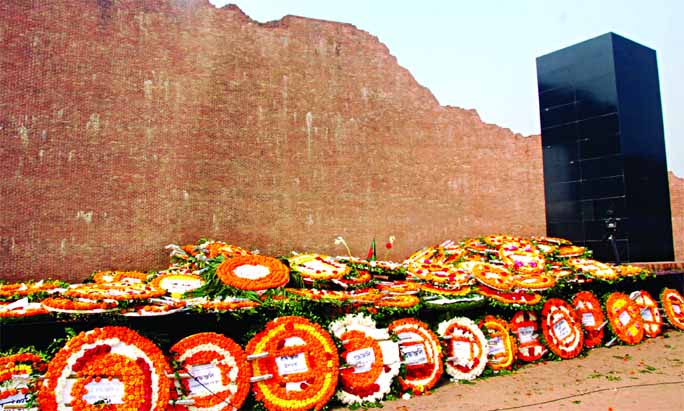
253	272
653	321
501	345
624	318
673	305
421	352
588	309
300	365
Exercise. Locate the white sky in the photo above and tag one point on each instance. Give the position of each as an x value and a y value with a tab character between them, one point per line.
481	54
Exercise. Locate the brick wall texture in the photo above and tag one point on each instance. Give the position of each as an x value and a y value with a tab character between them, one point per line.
126	125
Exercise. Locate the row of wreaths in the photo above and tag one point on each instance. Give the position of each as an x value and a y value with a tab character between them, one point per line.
295	364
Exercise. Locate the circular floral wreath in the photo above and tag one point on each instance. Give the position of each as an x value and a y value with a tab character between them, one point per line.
588	309
102	277
624	318
513	297
300	365
535	281
12	310
27	288
498	278
373	359
594	268
317	267
673	305
219	372
501	345
421	352
253	272
78	305
522	257
466	348
525	325
19	364
113	354
562	329
653	321
178	284
114	291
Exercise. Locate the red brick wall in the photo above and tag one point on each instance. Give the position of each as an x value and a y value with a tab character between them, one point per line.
127	125
677	206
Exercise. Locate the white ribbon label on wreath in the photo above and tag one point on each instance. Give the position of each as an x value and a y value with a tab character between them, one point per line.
676	309
362	360
291	364
646	314
414	354
13	399
105	391
562	329
461	352
66	392
588	320
496	346
526	334
390	352
206	380
624	318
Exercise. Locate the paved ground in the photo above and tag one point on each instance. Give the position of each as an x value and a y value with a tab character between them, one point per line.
648	376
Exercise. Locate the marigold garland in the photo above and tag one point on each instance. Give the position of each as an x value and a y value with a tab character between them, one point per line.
498	278
525	325
317	267
302	361
397	301
178	284
372	364
228	304
466	348
77	306
673	305
568	251
114	291
203	356
421	353
624	318
214	249
653	321
316	294
108	352
253	272
501	345
522	257
513	297
594	268
447	291
103	277
12	310
588	309
24	289
562	329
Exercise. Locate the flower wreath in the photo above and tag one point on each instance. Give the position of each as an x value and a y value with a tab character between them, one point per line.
525	325
355	277
673	305
522	257
21	309
398	287
317	294
178	284
513	297
562	329
436	272
466	348
117	354
498	278
594	268
653	321
218	370
19	364
535	281
26	289
421	353
217	248
372	359
569	250
316	267
299	364
253	272
625	270
78	305
501	348
588	309
228	304
624	318
397	301
102	277
447	291
114	291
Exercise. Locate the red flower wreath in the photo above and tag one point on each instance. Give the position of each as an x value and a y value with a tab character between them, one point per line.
653	321
588	309
300	365
562	329
673	305
525	325
624	318
421	353
220	374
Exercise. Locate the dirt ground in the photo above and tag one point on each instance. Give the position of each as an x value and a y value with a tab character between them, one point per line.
648	376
